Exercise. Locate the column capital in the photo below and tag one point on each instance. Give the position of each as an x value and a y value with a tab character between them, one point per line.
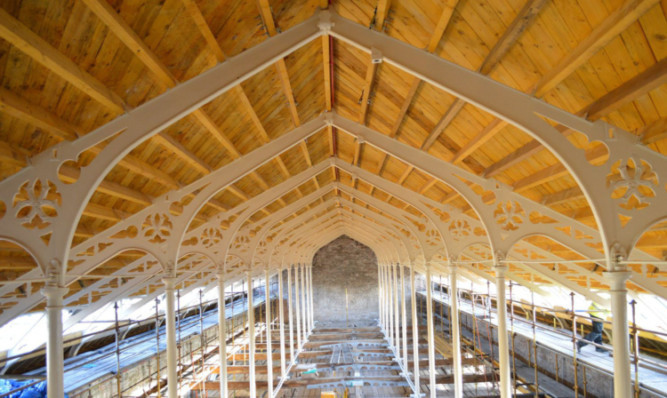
617	279
169	282
54	295
452	266
501	270
220	275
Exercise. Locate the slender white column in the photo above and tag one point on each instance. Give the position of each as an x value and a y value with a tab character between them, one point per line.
304	298
54	344
404	319
269	350
415	327
297	306
170	315
251	337
222	335
503	346
390	293
430	338
619	325
310	295
380	296
290	315
396	297
281	320
454	330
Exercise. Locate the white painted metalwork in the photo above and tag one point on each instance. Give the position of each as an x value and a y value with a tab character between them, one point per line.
222	335
438	240
172	351
503	346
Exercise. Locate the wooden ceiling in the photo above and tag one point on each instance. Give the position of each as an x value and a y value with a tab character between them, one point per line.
69	66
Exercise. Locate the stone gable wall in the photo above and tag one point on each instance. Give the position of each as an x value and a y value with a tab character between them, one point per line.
345	264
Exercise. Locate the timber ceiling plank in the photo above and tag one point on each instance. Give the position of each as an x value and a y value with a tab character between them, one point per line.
510	42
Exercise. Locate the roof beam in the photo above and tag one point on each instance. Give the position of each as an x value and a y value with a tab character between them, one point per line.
287	89
103	10
480	139
612	26
562	196
615	23
212	42
366	90
71	174
519	155
267	17
650	79
436	37
17	158
446	119
654	132
381	12
443	23
195	13
21	109
265	12
550	173
521	22
131	40
641	84
173	145
42	52
39	117
326	66
264	136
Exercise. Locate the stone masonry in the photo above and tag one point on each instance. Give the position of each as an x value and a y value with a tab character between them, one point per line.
345	264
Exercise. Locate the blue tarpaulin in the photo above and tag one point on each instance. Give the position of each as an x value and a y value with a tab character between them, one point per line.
35	391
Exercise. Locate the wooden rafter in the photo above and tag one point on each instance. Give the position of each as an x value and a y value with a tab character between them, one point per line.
173	145
648	133
446	119
613	25
521	22
654	132
123	31
637	86
264	136
562	196
213	44
366	90
39	50
281	68
436	37
21	109
650	79
480	139
195	13
13	31
326	60
31	44
39	117
381	12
